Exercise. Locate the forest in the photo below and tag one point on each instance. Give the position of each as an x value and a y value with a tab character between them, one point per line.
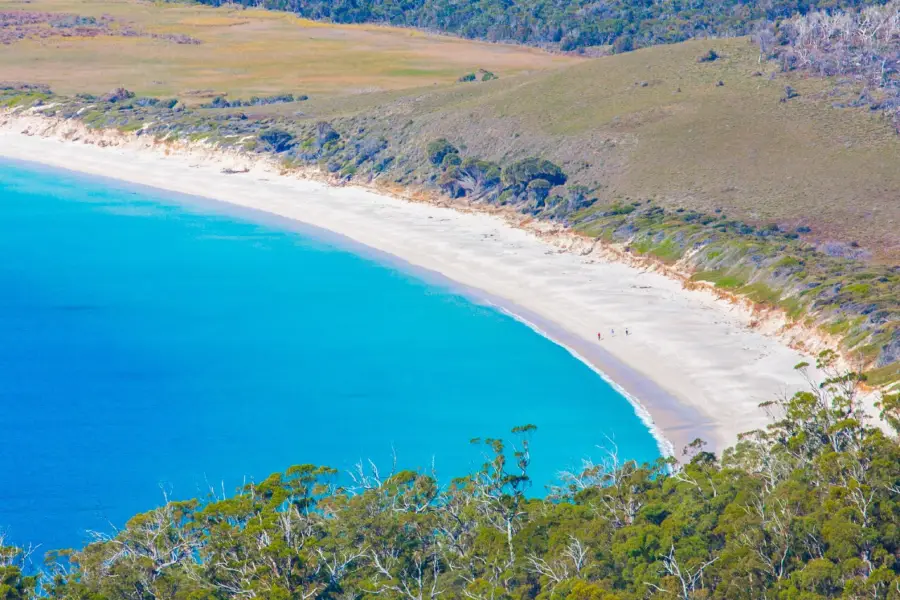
807	509
563	24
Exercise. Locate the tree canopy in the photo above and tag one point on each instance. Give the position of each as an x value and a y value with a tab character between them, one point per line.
807	509
565	24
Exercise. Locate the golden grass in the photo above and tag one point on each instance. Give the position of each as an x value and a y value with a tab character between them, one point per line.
249	52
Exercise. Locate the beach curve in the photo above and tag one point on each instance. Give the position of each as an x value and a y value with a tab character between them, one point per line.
692	365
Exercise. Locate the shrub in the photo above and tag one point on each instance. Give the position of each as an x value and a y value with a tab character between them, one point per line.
277	140
520	174
221	102
539	189
438	149
577	198
489	171
146	102
449	182
467	77
504	197
619	209
789	93
710	56
623	43
451	159
570	42
117	95
325	133
471	177
217	102
383	164
369	147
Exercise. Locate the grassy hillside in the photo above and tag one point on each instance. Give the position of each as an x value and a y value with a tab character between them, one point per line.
785	198
656	124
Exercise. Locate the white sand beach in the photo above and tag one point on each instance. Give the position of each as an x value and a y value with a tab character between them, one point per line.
691	360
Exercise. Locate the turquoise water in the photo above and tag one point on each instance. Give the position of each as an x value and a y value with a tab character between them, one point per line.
150	342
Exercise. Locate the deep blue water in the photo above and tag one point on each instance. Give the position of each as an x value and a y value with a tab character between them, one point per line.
148	340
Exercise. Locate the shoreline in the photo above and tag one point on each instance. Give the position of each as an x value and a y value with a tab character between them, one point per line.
695	365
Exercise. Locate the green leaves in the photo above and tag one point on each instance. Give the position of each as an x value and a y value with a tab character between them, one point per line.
440	149
808	509
523	172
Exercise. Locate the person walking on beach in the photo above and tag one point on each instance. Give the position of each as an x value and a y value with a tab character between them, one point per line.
599	337
626	331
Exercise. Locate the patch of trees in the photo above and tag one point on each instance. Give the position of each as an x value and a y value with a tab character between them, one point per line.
277	140
862	44
25	87
807	509
117	95
222	102
440	149
709	56
564	24
480	75
524	173
526	184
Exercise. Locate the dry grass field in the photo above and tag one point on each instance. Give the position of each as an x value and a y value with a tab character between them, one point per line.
248	52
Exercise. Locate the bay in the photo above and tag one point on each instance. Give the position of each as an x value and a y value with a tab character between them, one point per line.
154	345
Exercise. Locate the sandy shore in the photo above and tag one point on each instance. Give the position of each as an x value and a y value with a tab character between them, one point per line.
692	364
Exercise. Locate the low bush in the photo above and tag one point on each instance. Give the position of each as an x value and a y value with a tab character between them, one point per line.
439	149
520	174
277	140
709	56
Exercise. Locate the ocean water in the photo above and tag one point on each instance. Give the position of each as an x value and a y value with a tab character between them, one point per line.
152	343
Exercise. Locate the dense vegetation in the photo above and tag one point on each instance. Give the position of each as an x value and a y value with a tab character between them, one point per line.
808	509
567	24
862	44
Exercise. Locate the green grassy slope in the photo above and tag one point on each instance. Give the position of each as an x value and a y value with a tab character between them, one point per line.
656	124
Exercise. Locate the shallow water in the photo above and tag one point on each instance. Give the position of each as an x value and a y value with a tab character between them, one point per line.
150	343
